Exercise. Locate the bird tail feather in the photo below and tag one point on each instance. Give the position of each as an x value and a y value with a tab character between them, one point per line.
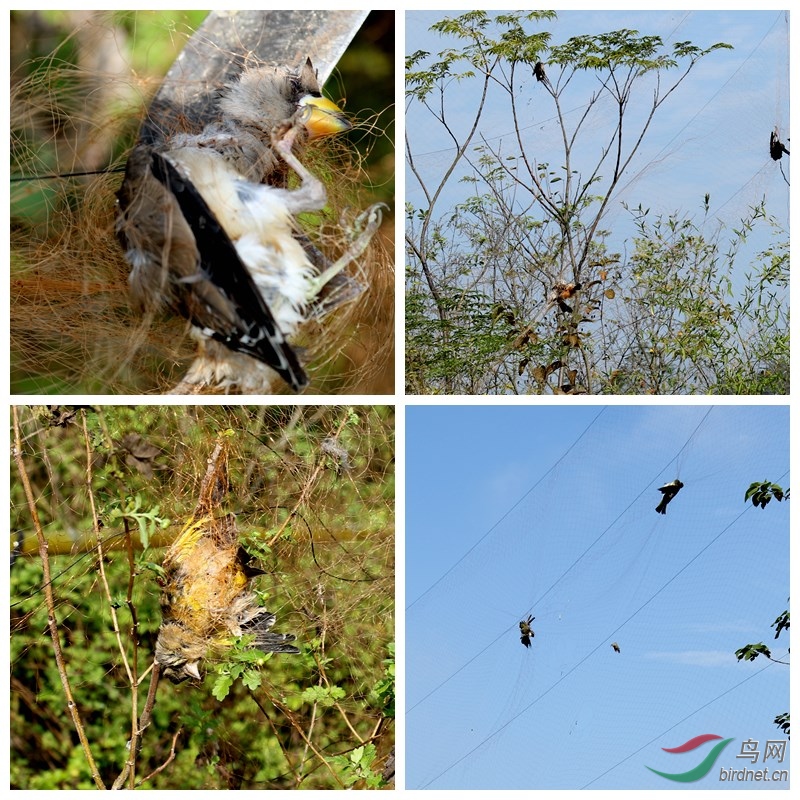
265	639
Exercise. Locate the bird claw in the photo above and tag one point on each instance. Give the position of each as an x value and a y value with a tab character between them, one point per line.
360	234
367	222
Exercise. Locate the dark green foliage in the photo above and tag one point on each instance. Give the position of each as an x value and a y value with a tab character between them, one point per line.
783	722
750	652
759	494
781	624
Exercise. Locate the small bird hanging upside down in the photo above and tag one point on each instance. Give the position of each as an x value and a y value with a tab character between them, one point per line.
209	228
206	602
669	490
776	146
526	631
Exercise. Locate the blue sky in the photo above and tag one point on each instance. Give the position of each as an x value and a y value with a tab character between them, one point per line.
524	492
710	136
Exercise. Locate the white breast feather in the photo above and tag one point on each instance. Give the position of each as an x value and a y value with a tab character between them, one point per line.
260	226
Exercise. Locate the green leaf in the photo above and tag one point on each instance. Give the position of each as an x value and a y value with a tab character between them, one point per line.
760	494
222	687
325	696
251	679
752	651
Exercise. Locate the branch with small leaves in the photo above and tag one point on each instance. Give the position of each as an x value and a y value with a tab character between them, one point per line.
760	493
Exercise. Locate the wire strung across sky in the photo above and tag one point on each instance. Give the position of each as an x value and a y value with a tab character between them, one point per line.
567	570
661	734
602	643
555	464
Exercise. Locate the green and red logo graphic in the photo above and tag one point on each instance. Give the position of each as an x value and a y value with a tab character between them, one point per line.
704	767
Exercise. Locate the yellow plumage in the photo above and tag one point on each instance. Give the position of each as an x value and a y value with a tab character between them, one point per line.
205	600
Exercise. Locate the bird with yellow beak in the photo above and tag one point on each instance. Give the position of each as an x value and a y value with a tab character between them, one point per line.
208	225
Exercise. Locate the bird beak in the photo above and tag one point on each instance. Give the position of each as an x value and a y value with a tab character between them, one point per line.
323	117
191	668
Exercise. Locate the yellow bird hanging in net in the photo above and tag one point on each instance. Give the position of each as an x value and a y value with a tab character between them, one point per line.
206	600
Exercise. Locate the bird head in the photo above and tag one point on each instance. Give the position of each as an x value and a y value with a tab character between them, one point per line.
264	97
178	652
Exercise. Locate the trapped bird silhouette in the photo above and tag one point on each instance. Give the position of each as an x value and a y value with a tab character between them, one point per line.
560	293
209	228
526	631
776	146
669	490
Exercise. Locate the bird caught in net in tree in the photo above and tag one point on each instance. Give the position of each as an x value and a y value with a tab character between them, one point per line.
209	228
206	600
